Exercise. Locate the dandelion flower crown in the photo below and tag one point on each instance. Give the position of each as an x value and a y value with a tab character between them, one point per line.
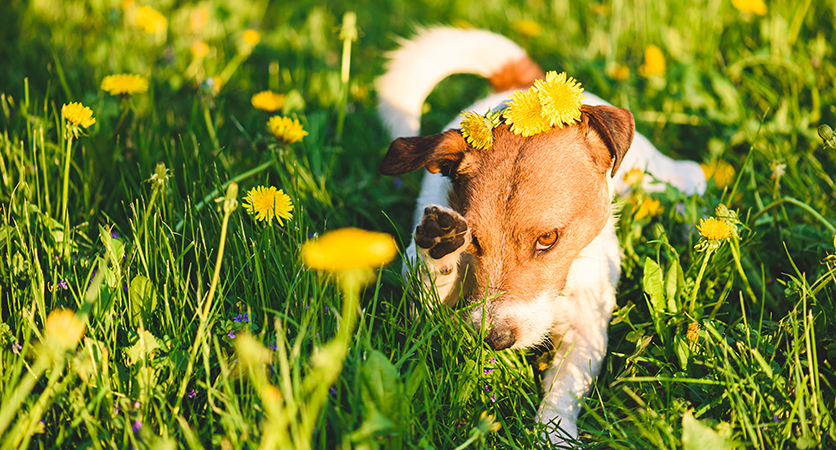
553	102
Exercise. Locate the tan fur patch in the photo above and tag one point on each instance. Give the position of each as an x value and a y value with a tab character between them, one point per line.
518	74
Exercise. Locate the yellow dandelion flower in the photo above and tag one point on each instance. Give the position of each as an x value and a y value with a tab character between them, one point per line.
654	62
150	20
619	72
266	202
198	19
600	9
693	334
127	4
78	116
125	83
650	207
200	49
714	229
721	171
252	37
63	329
525	113
527	28
287	129
560	98
757	7
349	248
635	175
268	101
477	129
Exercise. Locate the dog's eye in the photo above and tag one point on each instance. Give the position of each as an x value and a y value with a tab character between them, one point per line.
546	241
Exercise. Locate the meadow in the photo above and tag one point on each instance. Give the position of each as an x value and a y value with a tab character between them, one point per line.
147	302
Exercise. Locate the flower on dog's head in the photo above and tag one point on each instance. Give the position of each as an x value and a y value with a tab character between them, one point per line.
477	129
525	113
560	98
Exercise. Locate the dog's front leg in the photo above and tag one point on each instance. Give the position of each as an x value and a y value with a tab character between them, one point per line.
570	377
440	240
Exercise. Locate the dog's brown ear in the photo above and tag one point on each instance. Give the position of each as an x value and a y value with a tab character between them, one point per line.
438	153
615	127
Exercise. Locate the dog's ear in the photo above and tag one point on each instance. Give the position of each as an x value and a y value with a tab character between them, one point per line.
438	153
615	127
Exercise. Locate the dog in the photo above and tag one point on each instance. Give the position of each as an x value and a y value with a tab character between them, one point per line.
525	229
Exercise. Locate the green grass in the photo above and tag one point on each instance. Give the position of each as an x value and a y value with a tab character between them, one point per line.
138	255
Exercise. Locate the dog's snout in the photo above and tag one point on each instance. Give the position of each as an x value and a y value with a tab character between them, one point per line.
501	337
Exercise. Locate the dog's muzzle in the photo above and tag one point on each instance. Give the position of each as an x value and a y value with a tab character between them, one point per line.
501	337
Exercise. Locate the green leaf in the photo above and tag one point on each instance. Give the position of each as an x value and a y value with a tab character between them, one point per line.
674	283
143	297
696	436
143	348
382	387
652	285
683	352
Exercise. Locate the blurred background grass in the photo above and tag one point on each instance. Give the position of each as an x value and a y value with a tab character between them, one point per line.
740	91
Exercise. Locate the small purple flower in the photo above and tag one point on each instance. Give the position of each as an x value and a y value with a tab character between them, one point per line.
137	404
136	426
125	287
397	182
243	317
63	284
493	398
326	309
487	371
493	360
191	393
487	387
272	345
16	348
231	334
114	234
332	391
775	418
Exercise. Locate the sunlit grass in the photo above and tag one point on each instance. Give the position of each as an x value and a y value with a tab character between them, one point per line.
203	328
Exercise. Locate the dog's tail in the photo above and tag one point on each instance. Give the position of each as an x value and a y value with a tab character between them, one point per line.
435	53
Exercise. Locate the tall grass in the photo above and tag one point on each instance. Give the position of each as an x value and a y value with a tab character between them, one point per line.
749	362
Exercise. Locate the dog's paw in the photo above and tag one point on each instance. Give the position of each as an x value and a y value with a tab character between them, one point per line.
442	232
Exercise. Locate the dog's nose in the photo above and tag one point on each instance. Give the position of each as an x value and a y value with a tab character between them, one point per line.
501	337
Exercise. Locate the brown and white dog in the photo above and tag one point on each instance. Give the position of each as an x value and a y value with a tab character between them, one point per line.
530	220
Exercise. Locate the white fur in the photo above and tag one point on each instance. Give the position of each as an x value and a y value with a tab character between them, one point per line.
580	313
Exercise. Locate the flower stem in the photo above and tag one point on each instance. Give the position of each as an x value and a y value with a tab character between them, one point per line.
347	34
230	204
693	302
66	189
803	205
214	193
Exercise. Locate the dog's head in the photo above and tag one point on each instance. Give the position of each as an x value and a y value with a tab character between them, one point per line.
531	203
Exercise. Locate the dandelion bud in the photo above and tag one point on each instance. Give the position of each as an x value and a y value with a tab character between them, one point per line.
825	133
